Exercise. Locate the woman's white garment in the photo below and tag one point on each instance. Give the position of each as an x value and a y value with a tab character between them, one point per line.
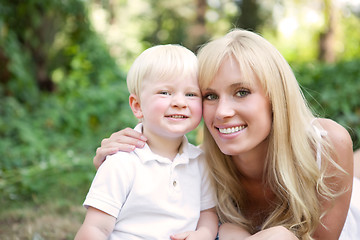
351	229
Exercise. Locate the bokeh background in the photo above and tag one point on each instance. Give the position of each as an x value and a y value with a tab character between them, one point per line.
63	65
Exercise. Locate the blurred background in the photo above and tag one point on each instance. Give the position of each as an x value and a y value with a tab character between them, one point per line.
63	65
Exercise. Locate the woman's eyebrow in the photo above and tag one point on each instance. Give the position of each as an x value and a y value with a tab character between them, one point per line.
241	84
208	89
233	85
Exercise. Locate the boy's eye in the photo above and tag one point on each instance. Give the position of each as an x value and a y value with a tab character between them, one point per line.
164	93
191	95
242	93
210	96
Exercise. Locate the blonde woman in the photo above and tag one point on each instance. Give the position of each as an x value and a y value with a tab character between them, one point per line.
275	166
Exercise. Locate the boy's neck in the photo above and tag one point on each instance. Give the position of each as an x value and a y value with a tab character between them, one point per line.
165	147
168	148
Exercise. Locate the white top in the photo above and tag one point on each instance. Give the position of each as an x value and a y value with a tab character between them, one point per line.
351	229
151	196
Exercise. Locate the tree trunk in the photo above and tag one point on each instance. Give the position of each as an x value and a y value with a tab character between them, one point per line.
327	37
197	32
248	17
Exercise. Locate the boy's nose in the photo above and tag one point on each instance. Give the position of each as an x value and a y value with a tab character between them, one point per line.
178	100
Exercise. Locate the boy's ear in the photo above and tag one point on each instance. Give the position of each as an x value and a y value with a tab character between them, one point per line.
134	102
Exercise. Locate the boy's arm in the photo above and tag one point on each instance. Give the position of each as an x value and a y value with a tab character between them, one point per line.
97	225
207	227
208	223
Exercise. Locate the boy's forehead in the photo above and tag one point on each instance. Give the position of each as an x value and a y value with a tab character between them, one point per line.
174	78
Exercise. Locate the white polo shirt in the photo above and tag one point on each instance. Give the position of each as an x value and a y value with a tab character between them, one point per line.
151	196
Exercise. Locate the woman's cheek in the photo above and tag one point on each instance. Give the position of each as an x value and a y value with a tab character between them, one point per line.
207	114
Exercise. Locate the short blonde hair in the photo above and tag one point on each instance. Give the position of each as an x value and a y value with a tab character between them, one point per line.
290	168
161	62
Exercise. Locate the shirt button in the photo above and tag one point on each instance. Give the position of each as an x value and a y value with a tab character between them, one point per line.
174	183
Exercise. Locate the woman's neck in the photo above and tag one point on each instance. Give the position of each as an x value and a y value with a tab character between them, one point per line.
260	199
251	164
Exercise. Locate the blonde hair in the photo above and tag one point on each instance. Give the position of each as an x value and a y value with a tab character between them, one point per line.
290	170
161	62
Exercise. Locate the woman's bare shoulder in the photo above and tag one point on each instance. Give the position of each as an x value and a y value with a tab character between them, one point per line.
336	132
339	138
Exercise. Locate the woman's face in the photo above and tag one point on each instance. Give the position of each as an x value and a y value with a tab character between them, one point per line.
237	114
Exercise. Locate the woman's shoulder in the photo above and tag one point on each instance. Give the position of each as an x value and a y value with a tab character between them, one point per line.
336	132
339	138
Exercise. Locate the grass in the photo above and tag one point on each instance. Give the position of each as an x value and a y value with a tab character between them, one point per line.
58	220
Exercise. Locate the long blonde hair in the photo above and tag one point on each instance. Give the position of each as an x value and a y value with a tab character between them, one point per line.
291	170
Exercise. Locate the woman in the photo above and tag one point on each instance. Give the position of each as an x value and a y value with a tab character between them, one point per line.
274	165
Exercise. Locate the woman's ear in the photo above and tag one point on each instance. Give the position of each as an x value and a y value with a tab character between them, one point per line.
134	102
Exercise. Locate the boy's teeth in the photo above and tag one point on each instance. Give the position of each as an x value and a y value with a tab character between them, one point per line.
177	116
231	130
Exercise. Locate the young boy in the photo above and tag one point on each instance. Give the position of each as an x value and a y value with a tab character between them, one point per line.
163	188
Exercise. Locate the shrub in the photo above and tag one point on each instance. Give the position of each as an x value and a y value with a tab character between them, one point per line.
332	91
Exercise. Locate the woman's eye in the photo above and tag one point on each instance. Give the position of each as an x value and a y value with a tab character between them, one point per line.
210	96
242	93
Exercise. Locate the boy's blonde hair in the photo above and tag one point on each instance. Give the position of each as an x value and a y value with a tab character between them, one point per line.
290	169
161	62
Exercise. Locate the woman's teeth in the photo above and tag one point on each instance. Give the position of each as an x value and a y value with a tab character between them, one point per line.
231	130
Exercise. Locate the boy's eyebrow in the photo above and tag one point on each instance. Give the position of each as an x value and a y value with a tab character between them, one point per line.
194	88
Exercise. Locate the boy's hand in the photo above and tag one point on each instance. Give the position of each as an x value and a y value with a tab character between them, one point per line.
180	236
191	235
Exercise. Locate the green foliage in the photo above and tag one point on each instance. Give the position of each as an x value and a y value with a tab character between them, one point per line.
350	42
332	91
49	136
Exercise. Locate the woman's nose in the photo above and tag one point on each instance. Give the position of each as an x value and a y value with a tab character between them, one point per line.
224	109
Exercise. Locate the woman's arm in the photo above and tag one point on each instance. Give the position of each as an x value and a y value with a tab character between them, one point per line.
97	225
125	140
230	231
336	210
357	163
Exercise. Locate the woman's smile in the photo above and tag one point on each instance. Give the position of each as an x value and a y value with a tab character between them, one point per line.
230	130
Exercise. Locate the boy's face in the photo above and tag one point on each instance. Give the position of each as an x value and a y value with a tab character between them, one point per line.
171	107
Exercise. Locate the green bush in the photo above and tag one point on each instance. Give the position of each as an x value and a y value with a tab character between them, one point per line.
332	91
48	137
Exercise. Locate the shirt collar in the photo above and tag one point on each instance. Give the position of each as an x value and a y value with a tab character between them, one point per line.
187	151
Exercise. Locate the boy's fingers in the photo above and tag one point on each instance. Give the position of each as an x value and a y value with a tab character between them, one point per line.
179	236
